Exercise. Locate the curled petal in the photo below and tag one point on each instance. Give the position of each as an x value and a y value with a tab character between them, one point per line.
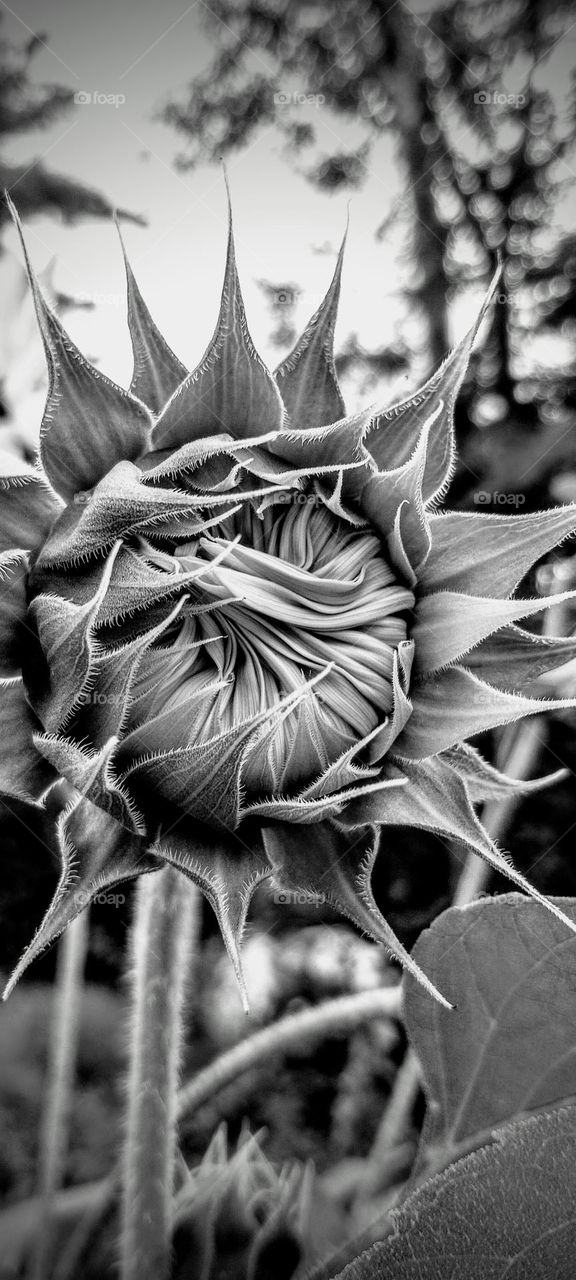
122	505
95	853
307	377
105	706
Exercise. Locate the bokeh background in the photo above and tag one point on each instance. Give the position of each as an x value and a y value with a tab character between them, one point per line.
447	132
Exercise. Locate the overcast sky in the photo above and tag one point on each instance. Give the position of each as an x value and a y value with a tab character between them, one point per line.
144	51
139	52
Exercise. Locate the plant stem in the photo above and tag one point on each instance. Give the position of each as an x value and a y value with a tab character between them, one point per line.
335	1017
167	908
62	1050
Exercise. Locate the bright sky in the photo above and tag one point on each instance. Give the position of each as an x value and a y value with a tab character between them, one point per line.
145	51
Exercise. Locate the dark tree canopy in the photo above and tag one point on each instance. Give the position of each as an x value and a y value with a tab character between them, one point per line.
485	151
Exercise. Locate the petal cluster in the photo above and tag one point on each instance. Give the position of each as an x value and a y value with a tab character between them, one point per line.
238	636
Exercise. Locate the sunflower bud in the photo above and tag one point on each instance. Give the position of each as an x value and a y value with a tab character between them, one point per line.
236	625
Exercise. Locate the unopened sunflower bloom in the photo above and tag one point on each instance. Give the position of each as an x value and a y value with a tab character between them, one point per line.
236	625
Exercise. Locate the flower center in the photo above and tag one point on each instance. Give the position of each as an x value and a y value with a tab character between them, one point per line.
304	618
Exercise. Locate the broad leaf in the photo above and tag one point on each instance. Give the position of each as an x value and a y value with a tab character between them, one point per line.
510	1045
506	1212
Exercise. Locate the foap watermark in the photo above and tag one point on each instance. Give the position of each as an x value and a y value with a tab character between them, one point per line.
299	99
83	899
97	99
483	498
497	98
295	898
83	497
284	297
92	698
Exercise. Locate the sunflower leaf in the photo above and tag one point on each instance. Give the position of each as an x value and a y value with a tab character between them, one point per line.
506	1211
510	968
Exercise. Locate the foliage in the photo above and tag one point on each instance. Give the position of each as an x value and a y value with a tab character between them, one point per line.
482	116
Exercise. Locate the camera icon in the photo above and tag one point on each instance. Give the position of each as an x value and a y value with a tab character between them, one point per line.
82	98
482	98
283	897
282	99
284	298
481	498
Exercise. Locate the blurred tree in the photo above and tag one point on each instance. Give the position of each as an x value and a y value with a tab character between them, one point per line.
484	145
25	105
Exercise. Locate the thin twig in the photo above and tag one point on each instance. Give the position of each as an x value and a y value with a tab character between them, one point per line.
334	1017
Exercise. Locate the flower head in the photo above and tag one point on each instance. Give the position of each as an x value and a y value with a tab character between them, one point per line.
236	625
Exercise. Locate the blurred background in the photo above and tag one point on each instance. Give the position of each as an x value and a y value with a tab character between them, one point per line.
449	132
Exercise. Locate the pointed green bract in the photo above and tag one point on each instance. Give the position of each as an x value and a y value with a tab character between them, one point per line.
89	422
337	868
307	377
455	704
157	371
514	659
231	389
227	871
450	624
396	430
247	621
484	782
401	491
96	853
510	546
